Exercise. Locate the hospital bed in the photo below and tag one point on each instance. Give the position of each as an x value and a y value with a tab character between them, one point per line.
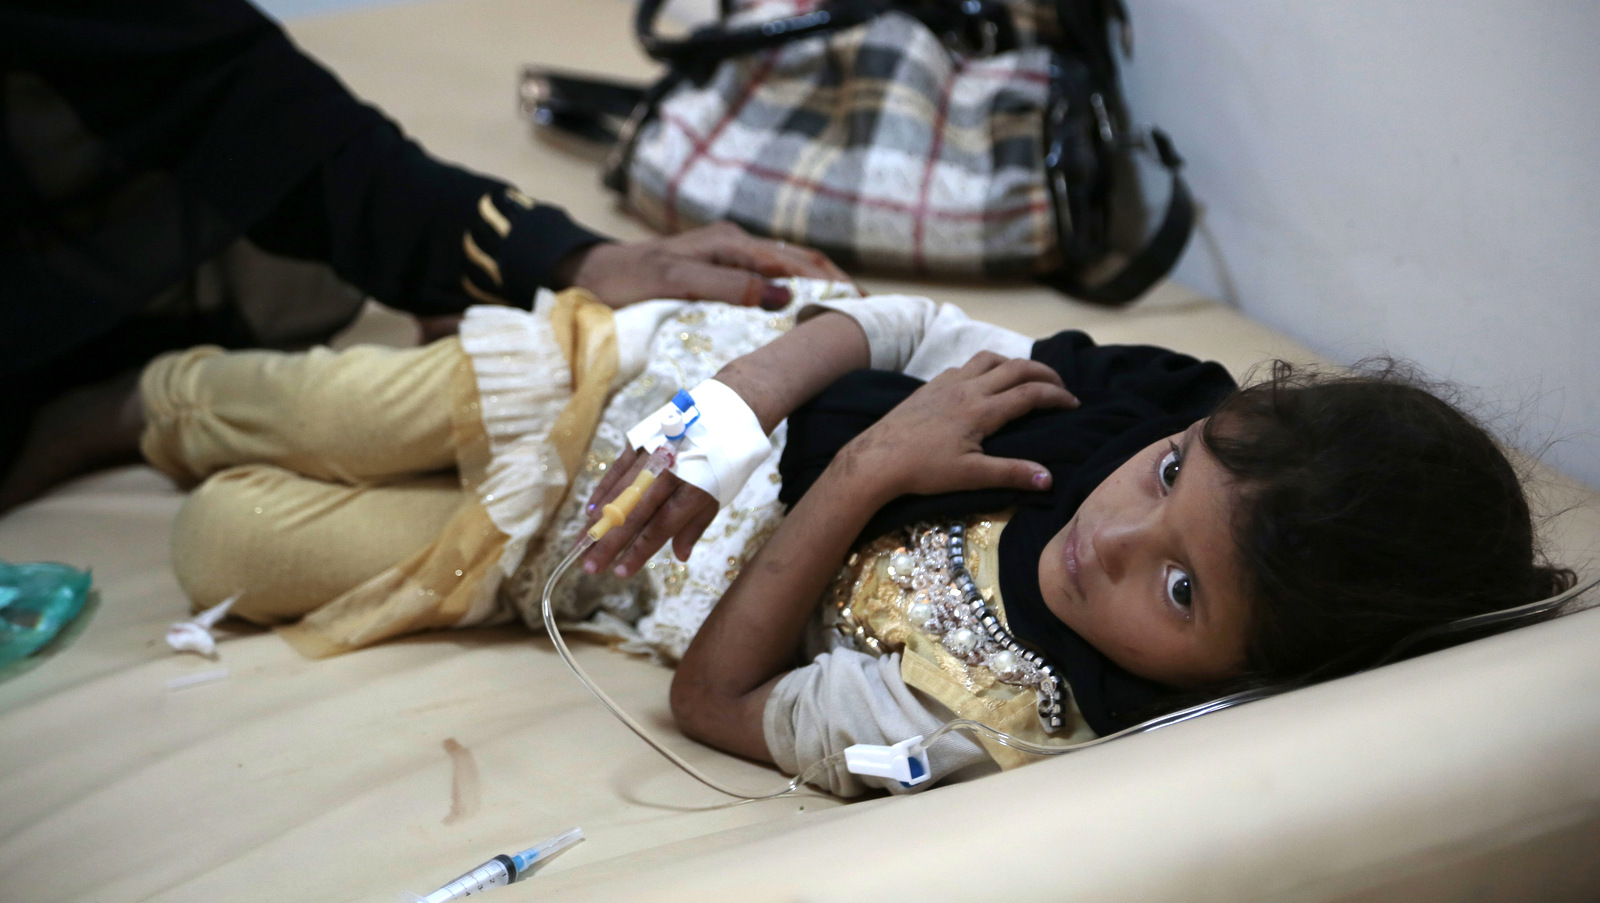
130	773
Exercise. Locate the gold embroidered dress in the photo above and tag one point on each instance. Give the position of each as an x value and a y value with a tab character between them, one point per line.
905	592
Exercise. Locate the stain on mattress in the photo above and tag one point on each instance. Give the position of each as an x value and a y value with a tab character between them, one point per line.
465	785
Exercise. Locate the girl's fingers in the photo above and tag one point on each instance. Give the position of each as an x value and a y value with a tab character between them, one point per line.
1025	398
605	549
677	512
683	542
980	363
802	261
1015	371
627	464
985	472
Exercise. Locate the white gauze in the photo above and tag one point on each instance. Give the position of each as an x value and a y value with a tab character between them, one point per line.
721	449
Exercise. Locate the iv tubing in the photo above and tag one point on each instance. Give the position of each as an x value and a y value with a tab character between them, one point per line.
613	514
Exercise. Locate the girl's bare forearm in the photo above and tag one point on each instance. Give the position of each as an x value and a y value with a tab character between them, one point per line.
753	636
789	371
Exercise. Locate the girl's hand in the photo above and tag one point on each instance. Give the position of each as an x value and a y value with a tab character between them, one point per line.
669	509
672	509
933	441
773	381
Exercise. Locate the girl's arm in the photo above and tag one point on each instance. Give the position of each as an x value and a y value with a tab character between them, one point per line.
909	334
752	637
774	380
930	443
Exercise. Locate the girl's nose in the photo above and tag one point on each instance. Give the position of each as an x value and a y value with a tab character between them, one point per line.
1115	543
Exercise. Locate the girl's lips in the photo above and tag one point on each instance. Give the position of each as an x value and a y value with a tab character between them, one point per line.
1069	554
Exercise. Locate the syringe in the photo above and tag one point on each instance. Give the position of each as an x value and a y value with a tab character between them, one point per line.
502	869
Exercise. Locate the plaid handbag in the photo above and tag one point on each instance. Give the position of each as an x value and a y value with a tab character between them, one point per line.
969	138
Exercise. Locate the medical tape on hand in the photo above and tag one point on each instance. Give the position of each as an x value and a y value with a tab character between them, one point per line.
721	449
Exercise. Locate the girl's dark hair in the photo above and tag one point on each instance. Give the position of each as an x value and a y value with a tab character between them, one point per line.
1371	509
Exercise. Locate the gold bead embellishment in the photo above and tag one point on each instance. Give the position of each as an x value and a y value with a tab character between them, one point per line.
940	598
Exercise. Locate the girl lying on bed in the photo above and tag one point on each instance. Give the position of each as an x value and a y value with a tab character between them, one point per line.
1055	538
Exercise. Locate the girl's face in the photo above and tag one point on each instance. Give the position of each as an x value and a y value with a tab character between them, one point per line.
1147	571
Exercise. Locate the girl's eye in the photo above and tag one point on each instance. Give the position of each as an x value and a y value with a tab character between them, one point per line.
1168	469
1179	589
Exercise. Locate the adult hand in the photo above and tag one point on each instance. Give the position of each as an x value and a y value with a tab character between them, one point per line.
669	509
933	441
720	262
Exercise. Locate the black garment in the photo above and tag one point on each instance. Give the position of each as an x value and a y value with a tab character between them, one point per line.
1130	397
140	139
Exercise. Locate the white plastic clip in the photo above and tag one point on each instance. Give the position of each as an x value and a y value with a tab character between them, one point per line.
194	635
906	761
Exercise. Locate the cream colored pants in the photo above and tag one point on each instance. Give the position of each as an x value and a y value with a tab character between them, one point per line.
316	470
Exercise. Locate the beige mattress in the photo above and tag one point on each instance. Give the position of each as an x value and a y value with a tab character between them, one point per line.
1468	774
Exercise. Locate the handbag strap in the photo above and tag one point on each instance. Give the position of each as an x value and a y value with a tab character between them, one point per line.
706	47
1158	256
984	24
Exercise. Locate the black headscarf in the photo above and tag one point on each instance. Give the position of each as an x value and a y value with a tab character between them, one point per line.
1131	396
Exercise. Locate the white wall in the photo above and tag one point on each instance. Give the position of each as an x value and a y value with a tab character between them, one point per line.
1412	176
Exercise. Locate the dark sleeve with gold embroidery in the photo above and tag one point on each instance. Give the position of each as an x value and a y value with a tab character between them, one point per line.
419	234
140	139
514	245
